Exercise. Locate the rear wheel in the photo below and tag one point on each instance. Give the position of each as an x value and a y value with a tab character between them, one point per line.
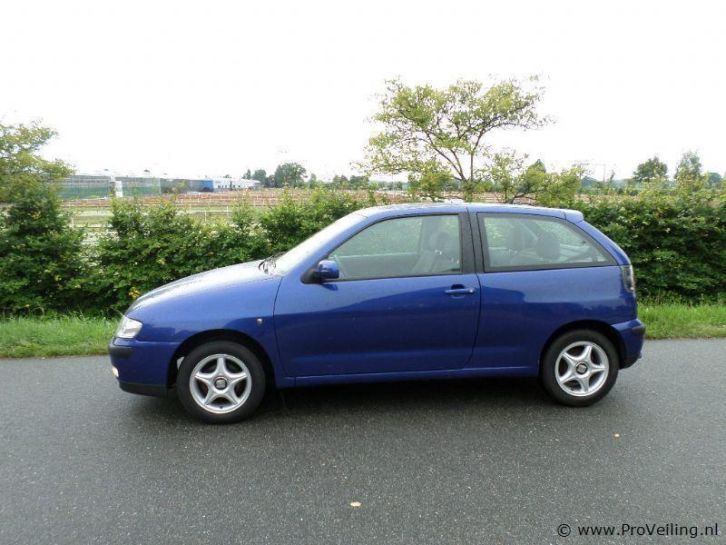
580	368
221	382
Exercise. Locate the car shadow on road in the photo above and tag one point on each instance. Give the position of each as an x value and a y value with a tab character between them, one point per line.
397	398
404	396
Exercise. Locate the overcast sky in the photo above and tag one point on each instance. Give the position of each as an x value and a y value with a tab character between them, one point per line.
211	88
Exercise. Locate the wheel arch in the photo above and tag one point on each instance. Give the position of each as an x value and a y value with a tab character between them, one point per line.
601	327
220	335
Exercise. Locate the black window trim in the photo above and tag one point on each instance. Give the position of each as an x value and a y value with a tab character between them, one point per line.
484	247
466	244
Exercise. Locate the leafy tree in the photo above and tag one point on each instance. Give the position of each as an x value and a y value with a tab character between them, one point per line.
359	182
42	265
290	175
507	175
248	175
651	170
41	254
688	174
448	127
561	188
260	175
313	181
20	163
340	181
713	179
430	183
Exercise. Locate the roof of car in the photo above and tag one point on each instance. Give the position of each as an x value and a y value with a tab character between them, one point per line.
444	207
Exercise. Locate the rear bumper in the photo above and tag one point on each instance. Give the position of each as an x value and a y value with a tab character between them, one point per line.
142	367
632	334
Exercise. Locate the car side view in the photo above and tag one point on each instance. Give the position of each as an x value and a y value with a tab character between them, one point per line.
403	292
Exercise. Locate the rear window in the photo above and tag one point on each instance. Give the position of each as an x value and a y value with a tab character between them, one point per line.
519	242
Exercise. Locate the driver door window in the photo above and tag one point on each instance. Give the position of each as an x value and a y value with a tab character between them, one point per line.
410	246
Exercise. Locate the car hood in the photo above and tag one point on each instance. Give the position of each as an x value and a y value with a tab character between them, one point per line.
204	284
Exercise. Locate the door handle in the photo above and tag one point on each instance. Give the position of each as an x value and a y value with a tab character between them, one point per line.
458	289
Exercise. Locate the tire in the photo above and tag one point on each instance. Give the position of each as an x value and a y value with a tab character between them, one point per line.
576	375
221	393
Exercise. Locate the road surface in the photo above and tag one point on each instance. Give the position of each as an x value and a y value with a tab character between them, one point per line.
476	462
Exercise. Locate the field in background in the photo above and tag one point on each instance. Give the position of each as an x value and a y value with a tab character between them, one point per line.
93	214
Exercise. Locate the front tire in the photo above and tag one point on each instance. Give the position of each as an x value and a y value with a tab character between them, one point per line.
580	368
221	382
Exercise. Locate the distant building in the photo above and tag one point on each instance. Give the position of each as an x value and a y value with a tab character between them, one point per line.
86	186
231	184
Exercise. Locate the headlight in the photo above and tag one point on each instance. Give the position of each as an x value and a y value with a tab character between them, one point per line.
128	328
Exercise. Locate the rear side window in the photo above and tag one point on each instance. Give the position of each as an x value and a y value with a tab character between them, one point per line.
519	242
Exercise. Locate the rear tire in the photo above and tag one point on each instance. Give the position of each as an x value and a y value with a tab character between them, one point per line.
221	382
579	368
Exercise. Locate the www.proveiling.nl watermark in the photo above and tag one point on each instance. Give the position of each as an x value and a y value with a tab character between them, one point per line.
667	529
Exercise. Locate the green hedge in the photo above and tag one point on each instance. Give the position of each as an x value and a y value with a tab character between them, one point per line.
677	244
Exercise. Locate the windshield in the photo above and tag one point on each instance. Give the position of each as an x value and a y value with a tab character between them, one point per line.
311	245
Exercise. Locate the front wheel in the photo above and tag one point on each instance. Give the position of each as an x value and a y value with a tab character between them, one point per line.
580	368
221	382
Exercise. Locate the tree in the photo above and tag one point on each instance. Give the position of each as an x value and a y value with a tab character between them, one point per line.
20	163
248	175
713	179
260	175
423	126
313	181
650	171
41	254
561	188
508	177
688	173
359	181
340	181
430	183
290	175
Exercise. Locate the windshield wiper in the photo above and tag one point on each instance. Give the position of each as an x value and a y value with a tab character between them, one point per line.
269	262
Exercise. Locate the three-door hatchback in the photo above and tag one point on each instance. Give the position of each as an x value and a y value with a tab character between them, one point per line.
394	293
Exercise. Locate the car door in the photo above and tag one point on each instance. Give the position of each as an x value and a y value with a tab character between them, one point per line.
540	272
407	300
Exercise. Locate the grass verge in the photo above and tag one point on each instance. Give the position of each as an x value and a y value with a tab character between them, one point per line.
81	335
676	320
55	336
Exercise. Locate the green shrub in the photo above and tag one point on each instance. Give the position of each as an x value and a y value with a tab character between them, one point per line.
677	243
291	222
151	245
41	266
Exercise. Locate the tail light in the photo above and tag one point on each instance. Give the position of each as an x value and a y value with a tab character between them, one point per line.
628	277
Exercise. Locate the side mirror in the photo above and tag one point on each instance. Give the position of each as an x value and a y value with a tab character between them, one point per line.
327	269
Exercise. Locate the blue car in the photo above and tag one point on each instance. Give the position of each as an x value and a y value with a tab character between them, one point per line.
404	292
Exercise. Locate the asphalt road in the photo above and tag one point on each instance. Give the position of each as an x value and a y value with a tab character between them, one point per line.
486	461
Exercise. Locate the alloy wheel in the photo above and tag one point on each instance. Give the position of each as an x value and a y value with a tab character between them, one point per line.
582	368
220	383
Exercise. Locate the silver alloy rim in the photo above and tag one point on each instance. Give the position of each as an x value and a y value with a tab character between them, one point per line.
220	383
582	368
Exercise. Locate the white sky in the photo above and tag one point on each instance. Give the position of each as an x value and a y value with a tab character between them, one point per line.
211	88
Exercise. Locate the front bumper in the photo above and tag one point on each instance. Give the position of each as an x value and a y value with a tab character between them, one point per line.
144	389
142	367
632	334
